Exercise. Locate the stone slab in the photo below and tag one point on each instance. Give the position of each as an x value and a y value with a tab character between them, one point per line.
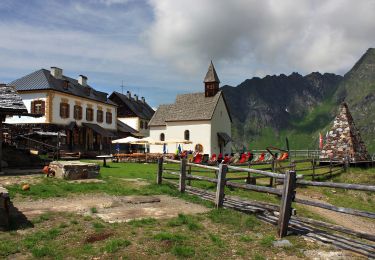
74	170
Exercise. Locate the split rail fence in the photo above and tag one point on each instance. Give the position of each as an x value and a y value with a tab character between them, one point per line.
287	194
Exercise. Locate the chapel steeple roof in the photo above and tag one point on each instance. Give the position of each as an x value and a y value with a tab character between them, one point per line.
211	75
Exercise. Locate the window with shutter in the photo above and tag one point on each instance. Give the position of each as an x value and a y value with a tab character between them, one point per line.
32	107
38	107
89	114
108	118
64	110
99	116
77	112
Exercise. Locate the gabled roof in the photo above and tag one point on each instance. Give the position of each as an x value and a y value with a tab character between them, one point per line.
188	107
10	102
160	115
122	127
211	75
43	80
138	107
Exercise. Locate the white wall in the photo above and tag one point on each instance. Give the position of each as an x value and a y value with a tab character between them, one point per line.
134	122
220	123
56	119
200	133
27	98
155	132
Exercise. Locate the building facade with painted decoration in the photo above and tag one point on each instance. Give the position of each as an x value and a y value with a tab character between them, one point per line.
86	116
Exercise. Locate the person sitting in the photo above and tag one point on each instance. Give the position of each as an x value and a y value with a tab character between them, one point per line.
198	158
235	158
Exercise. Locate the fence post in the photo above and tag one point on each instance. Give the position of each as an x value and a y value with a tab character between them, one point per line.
219	198
189	172
330	168
273	170
286	202
159	177
182	184
313	169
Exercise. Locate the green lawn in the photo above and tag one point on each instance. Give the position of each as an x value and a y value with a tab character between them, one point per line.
217	234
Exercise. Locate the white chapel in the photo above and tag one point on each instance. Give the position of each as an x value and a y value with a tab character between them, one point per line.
202	118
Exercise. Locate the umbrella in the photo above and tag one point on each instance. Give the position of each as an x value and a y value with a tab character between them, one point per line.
146	140
127	140
176	141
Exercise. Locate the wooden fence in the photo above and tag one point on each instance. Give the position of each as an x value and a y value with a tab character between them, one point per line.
287	194
294	153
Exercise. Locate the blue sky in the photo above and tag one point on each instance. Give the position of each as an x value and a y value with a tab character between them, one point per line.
160	48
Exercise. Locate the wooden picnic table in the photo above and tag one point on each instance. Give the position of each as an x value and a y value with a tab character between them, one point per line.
105	157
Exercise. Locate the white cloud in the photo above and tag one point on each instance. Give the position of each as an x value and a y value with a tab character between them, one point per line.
271	36
163	47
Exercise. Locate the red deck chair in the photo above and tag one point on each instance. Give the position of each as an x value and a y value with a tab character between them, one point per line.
243	158
249	156
227	159
213	157
261	157
283	157
198	158
220	157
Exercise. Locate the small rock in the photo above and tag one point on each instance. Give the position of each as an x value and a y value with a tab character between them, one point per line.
282	243
26	187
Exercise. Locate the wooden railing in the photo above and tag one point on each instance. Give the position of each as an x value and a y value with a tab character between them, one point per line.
287	193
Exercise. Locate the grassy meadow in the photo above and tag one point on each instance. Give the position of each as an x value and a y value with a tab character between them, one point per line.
218	234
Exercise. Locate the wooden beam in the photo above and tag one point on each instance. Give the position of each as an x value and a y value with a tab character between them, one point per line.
338	185
254	188
337	209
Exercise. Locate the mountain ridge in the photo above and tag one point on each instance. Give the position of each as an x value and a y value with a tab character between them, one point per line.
266	110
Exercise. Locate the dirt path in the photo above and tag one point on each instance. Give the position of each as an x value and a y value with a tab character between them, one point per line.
111	208
345	220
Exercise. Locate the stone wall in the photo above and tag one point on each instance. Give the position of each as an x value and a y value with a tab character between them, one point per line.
344	140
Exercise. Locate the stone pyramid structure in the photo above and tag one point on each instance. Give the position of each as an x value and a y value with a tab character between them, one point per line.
344	140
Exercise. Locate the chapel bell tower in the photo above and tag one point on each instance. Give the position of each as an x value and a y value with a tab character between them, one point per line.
211	82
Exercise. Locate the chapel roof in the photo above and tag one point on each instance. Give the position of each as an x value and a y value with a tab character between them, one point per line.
188	107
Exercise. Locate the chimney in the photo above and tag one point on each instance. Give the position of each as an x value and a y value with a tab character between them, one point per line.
82	80
143	100
128	94
136	97
56	72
